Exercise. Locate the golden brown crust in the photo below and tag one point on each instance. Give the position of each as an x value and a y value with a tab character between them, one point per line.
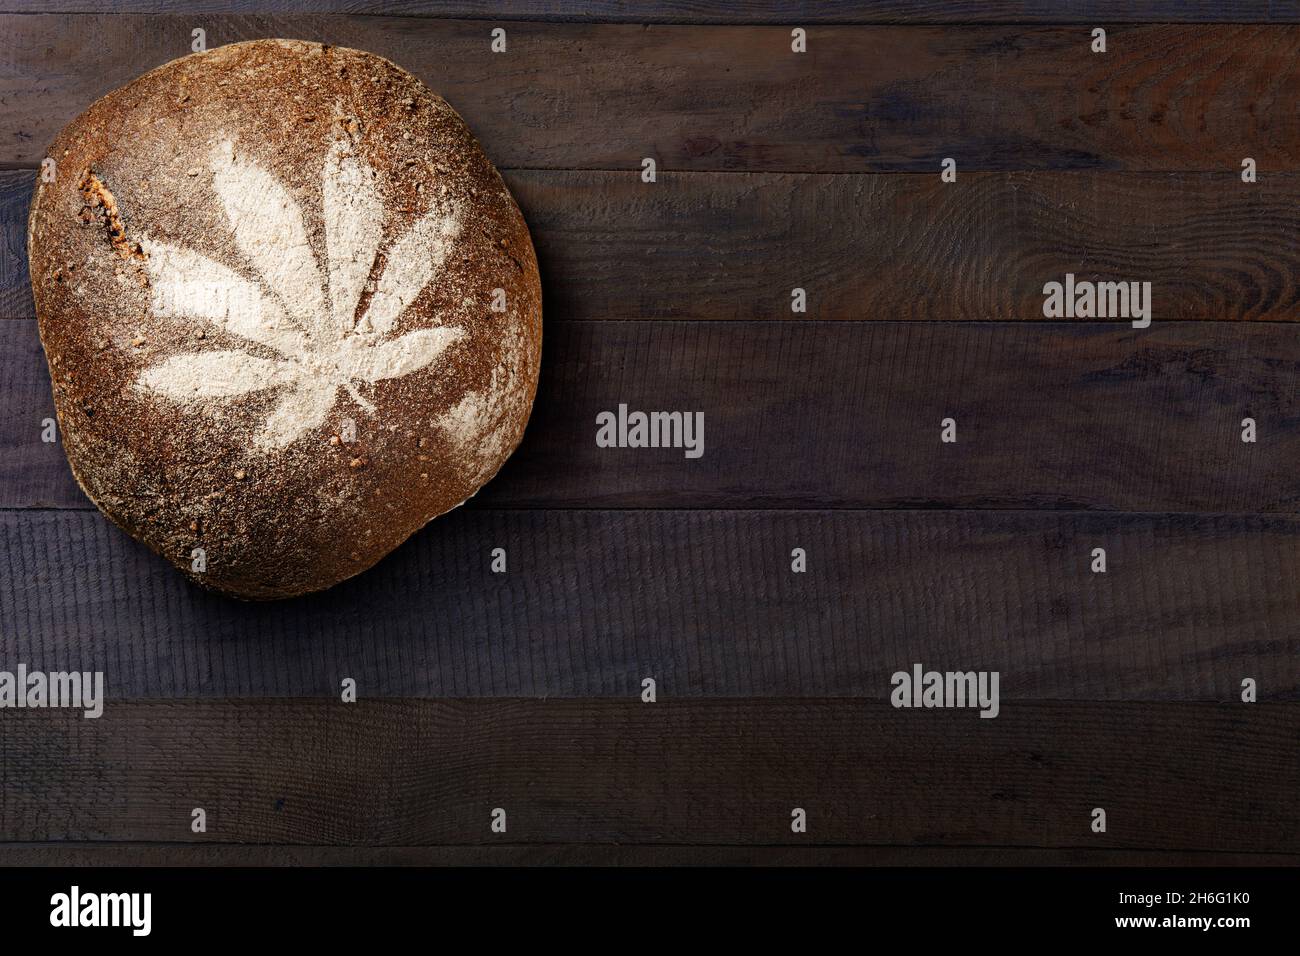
135	177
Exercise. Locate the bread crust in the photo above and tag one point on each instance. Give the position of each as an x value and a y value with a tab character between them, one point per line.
142	172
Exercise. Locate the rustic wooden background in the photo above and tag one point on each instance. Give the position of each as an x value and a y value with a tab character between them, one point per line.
776	170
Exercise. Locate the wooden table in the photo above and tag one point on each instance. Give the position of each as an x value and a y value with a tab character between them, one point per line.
775	170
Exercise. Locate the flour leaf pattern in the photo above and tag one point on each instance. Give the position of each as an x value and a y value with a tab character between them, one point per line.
302	312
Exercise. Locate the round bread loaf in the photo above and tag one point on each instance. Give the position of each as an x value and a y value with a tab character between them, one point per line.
290	309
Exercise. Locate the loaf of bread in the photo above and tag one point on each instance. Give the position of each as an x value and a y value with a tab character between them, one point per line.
291	311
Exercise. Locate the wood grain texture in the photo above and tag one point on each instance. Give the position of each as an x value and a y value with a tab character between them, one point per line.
1119	690
704	602
863	98
718	246
847	414
16	188
726	11
587	854
1220	777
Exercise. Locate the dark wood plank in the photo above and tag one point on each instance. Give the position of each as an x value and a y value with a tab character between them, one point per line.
728	11
718	246
16	188
848	414
863	98
586	854
1194	777
703	602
